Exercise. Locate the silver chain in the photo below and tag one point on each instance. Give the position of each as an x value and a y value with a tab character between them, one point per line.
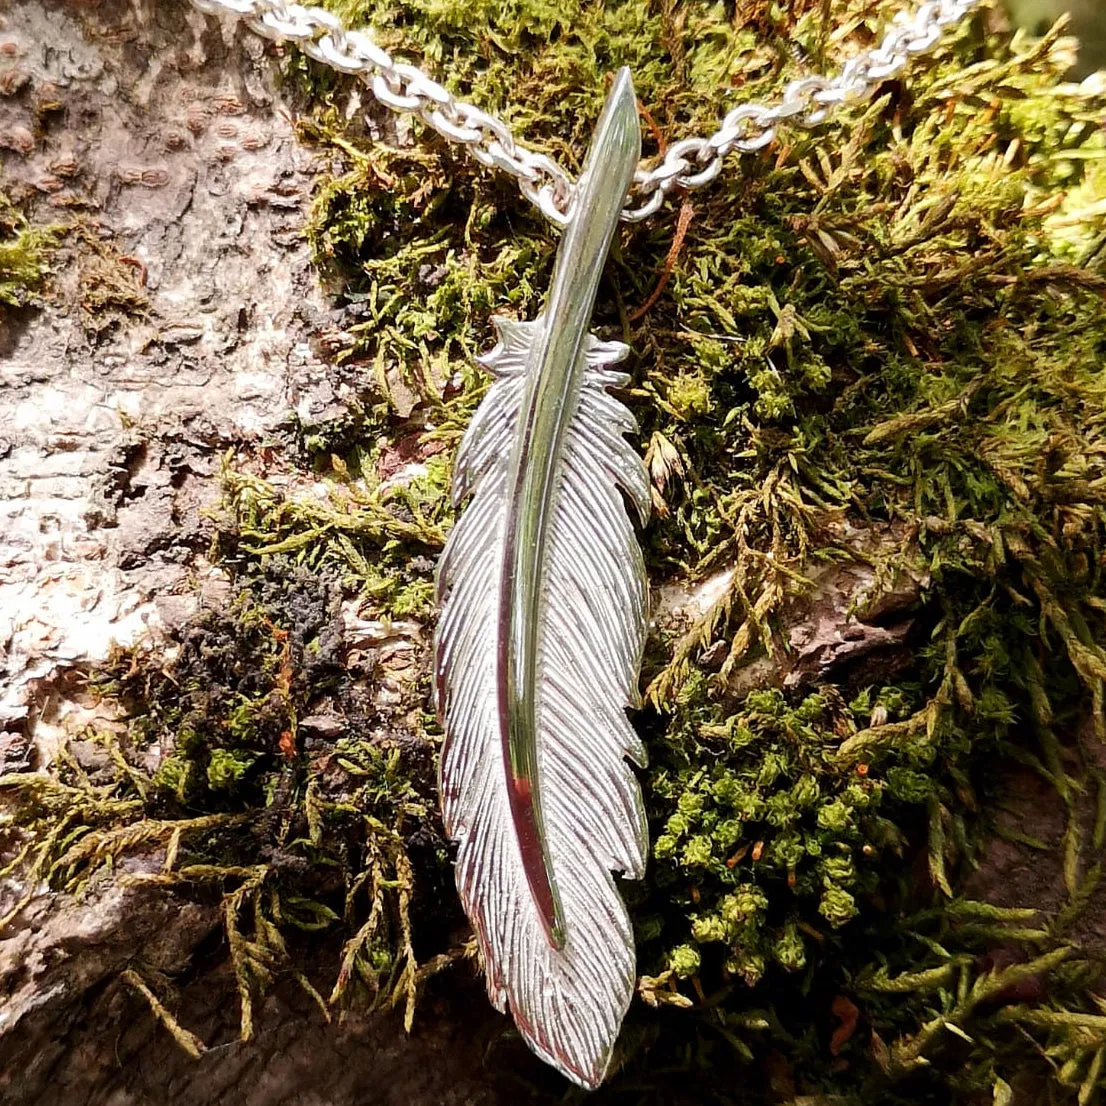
687	164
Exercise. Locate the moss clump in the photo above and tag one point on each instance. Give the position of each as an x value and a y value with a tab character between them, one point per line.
24	255
110	285
894	326
771	841
377	538
222	770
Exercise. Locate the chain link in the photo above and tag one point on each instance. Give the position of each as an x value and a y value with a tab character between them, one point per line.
403	88
806	102
687	164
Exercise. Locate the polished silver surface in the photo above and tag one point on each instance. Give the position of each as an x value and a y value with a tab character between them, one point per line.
543	612
689	163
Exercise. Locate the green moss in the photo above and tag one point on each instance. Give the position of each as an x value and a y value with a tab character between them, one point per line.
225	769
214	768
684	961
25	251
893	322
766	831
893	326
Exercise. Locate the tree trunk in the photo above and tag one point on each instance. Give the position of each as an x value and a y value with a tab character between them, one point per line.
184	321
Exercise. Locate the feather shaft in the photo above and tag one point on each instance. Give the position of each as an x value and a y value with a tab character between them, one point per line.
554	376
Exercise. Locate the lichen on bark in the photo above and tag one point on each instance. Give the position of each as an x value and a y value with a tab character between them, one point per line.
867	368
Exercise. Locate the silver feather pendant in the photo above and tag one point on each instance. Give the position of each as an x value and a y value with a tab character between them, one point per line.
543	597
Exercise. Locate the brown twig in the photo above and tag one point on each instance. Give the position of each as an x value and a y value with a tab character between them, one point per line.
687	212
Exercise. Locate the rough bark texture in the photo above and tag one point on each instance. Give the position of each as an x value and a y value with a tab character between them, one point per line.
181	319
184	319
73	1034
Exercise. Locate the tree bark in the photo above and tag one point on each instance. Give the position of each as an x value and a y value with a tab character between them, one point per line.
184	319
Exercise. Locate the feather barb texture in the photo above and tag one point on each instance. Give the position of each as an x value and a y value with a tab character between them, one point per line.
543	599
